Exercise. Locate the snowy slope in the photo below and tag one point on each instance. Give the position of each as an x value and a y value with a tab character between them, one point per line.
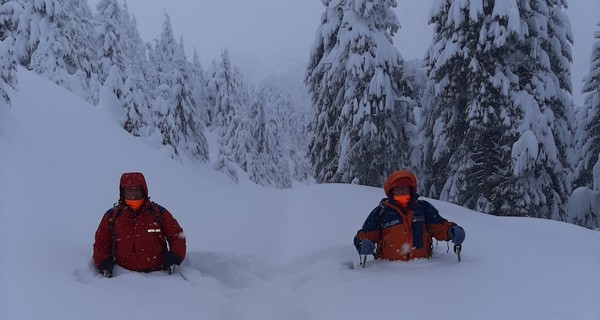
253	253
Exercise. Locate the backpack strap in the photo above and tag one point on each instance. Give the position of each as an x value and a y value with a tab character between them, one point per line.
157	211
113	213
380	219
380	214
158	217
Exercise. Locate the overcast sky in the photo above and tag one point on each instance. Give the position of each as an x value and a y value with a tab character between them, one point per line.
271	31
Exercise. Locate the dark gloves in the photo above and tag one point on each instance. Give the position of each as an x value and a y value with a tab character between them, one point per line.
106	267
366	247
171	258
456	234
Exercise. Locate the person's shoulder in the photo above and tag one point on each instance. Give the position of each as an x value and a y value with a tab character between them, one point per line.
112	209
381	205
157	206
425	205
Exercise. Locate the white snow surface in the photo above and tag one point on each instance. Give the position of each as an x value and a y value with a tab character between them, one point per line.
253	253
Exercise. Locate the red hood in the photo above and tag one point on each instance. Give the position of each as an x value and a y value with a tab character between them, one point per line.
132	179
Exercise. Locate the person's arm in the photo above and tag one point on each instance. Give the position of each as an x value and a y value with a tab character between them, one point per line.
370	229
103	240
437	225
174	234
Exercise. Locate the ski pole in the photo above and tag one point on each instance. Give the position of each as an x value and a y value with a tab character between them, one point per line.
457	249
363	260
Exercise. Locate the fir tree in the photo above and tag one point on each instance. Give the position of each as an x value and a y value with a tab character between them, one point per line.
588	135
267	162
176	111
136	88
112	35
364	122
9	12
230	118
199	94
584	203
65	50
499	107
291	119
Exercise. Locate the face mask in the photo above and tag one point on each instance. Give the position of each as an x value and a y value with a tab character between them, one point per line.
134	204
402	200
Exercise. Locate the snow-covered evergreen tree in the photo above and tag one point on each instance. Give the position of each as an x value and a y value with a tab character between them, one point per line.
199	85
9	13
211	92
54	38
499	105
584	204
588	134
267	162
136	88
364	114
111	54
454	76
291	119
27	34
64	51
80	53
230	118
176	111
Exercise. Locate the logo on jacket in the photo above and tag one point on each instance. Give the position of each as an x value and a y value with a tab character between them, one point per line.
154	230
391	223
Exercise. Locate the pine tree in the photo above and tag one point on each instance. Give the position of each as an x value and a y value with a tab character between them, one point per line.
199	94
499	107
463	144
364	114
584	203
136	88
267	161
9	13
112	35
176	111
80	47
230	118
28	31
292	121
64	51
588	135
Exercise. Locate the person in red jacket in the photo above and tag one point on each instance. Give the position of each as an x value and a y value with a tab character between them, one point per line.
137	234
402	226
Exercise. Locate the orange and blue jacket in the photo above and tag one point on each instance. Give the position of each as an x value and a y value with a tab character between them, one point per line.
403	234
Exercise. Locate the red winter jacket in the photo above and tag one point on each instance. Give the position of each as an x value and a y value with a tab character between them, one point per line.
140	238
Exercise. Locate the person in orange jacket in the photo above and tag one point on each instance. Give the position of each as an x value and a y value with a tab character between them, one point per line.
402	226
137	234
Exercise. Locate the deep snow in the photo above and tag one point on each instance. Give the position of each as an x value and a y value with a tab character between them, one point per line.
253	253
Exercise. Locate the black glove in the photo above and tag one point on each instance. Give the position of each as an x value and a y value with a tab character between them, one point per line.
171	258
106	267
